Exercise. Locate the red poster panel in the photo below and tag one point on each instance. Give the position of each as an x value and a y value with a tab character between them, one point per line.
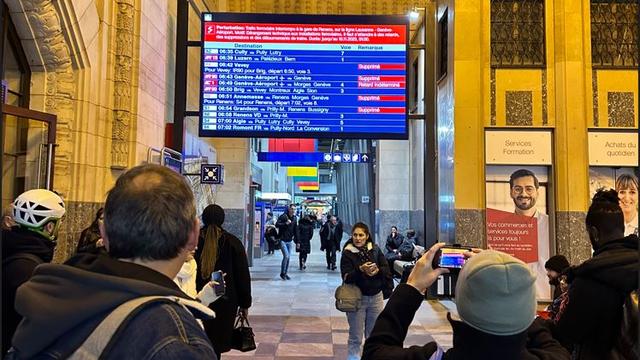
514	234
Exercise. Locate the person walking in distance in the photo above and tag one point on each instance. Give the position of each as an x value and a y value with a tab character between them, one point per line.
305	233
330	238
287	225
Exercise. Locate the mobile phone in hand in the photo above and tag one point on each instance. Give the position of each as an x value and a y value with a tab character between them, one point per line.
218	277
450	257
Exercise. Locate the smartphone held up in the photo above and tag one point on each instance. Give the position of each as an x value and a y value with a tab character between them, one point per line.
452	258
218	278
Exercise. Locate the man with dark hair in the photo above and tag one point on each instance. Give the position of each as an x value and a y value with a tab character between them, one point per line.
330	238
287	225
150	227
590	319
555	266
524	187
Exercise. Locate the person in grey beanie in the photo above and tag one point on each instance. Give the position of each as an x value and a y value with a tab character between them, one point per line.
496	302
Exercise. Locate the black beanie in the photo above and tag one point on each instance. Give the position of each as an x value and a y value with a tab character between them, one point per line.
213	215
557	263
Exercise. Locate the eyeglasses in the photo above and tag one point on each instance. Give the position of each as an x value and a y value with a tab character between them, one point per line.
527	189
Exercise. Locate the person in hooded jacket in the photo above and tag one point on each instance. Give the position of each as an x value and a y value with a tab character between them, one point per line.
589	321
219	250
90	237
150	227
364	265
496	303
306	225
25	246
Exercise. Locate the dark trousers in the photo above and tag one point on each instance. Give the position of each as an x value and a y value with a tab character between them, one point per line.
330	253
302	257
271	244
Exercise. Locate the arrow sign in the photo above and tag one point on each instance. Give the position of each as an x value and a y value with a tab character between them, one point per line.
212	174
364	157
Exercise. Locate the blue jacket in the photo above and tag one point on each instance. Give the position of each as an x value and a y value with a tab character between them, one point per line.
62	304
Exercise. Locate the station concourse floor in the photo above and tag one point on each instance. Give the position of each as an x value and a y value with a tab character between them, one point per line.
297	319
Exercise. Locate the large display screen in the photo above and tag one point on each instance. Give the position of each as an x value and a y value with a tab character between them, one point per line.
304	76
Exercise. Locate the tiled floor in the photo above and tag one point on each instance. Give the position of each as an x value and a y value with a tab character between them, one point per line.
296	319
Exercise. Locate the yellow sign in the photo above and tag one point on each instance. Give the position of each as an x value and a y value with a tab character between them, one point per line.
309	188
518	147
302	171
608	148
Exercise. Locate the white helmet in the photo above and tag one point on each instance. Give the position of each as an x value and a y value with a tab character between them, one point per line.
33	209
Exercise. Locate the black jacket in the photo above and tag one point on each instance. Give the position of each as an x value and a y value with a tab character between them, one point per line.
350	263
393	243
390	330
232	260
287	232
62	305
305	233
591	319
88	238
16	270
326	240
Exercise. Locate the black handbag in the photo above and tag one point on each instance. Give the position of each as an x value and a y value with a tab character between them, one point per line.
242	338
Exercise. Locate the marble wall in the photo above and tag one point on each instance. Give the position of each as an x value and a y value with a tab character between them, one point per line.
470	228
572	239
79	216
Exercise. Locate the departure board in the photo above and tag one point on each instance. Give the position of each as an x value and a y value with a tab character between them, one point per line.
304	76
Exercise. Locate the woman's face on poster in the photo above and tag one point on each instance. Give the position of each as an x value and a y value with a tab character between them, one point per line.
628	198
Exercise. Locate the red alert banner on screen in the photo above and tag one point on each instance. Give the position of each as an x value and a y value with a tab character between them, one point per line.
514	234
305	33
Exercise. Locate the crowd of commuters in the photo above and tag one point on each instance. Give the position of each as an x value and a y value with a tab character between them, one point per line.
145	266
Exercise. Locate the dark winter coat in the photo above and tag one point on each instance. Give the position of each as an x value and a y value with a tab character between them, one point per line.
88	238
390	330
305	233
393	243
591	318
232	260
18	270
287	232
57	319
326	240
350	263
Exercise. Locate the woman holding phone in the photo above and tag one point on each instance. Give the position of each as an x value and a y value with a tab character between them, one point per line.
364	265
218	251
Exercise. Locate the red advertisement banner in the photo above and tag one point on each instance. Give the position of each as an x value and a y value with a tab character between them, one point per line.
514	234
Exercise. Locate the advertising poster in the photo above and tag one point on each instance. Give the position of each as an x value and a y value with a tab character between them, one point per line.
516	217
625	182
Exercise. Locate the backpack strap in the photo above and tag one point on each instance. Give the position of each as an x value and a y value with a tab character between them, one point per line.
98	340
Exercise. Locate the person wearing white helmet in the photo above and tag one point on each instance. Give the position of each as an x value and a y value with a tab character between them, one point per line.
37	214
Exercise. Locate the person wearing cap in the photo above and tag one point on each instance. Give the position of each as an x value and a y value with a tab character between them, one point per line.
590	320
555	266
496	302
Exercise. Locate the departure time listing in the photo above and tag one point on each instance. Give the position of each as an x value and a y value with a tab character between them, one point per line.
304	78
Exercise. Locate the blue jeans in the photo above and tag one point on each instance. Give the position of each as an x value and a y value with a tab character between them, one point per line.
361	323
286	247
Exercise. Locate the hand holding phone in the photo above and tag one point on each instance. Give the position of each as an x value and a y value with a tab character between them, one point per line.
218	282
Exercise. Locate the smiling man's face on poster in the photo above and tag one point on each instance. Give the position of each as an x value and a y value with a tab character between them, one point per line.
524	193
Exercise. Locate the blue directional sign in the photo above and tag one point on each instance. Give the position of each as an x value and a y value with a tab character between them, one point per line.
212	174
364	158
326	157
312	158
355	158
346	157
337	157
